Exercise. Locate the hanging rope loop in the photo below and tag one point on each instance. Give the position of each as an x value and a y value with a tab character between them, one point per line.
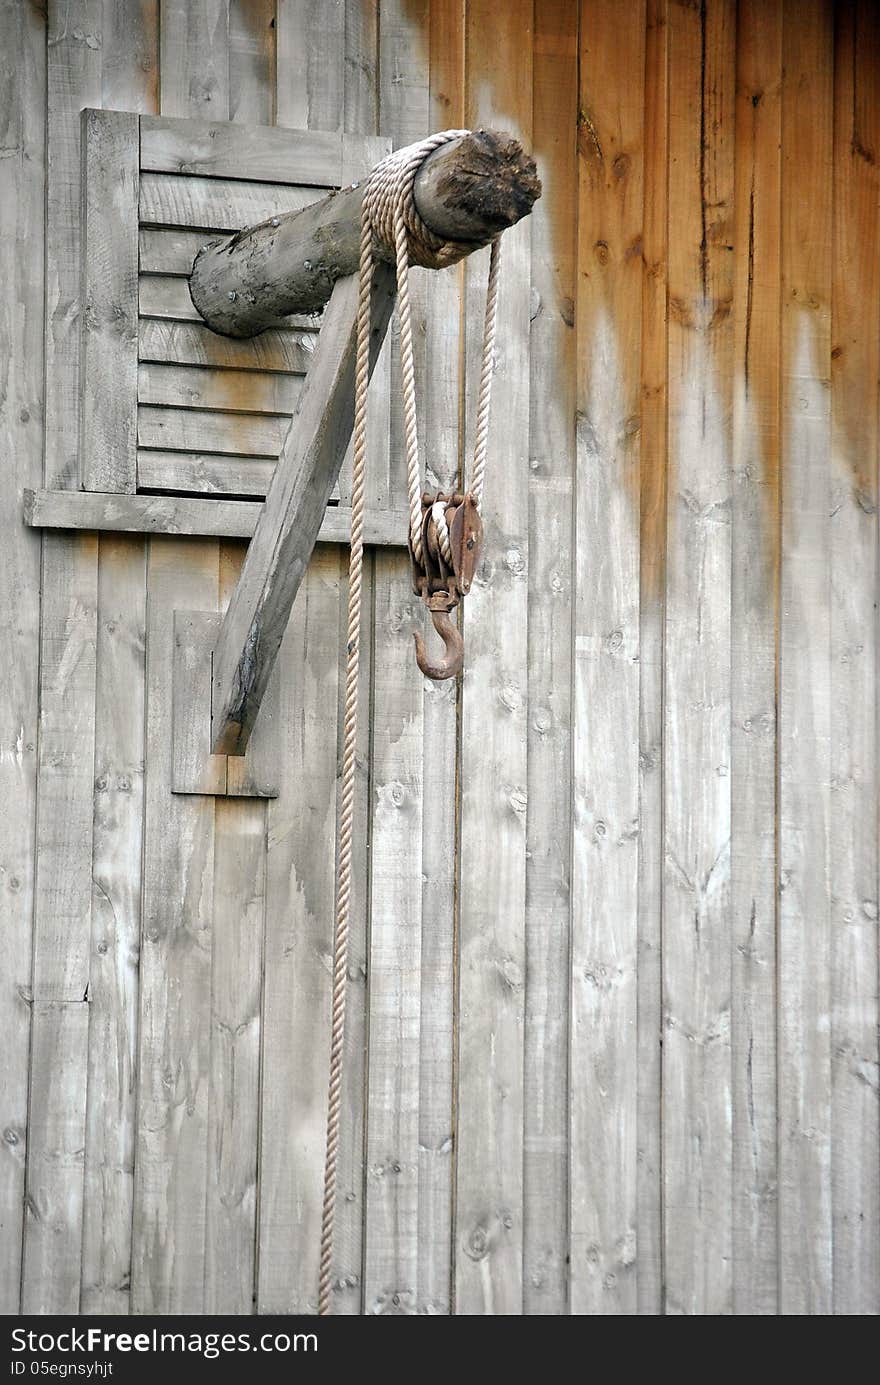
390	208
445	541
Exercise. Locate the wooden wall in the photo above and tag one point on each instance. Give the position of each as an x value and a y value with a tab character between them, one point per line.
613	1022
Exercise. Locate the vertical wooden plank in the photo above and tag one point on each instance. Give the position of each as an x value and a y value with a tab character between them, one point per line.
489	1155
804	1064
300	897
55	1157
129	80
606	686
361	107
172	1171
754	624
391	1227
360	96
252	33
442	444
194	58
239	875
109	350
855	369
298	944
53	1228
22	200
311	64
392	1151
168	1250
130	55
696	753
115	944
551	472
653	460
236	980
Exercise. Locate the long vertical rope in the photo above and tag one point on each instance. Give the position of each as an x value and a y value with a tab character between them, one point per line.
349	746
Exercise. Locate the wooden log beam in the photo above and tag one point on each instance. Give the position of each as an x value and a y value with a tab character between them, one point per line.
467	190
256	619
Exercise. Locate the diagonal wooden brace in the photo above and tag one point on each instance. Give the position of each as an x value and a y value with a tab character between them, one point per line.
287	530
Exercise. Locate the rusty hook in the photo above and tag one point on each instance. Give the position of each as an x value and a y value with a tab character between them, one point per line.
451	666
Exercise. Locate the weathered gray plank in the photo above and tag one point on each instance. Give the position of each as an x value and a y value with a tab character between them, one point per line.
130	55
22	200
754	625
697	1156
236	1003
195	387
252	34
215	204
653	456
264	153
299	920
311	65
168	1253
54	1200
236	985
804	928
391	1211
168	250
194	768
551	474
159	514
194	59
129	48
443	420
211	475
186	430
394	991
855	367
190	343
489	1165
168	1259
109	347
115	950
254	625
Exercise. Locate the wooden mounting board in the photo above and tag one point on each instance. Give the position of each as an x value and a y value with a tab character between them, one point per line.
194	769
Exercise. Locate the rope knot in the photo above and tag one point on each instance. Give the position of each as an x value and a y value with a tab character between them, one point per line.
390	206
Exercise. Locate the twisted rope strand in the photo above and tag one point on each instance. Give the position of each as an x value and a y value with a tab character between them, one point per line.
487	370
346	817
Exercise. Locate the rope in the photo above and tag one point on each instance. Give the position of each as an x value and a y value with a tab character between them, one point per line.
389	217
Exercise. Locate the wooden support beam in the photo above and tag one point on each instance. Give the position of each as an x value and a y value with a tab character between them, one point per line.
288	527
467	190
192	516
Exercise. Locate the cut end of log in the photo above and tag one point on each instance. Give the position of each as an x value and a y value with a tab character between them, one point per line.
491	182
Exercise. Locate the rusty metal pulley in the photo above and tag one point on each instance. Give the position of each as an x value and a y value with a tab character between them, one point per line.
442	579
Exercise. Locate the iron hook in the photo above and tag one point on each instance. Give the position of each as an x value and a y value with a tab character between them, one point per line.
451	665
